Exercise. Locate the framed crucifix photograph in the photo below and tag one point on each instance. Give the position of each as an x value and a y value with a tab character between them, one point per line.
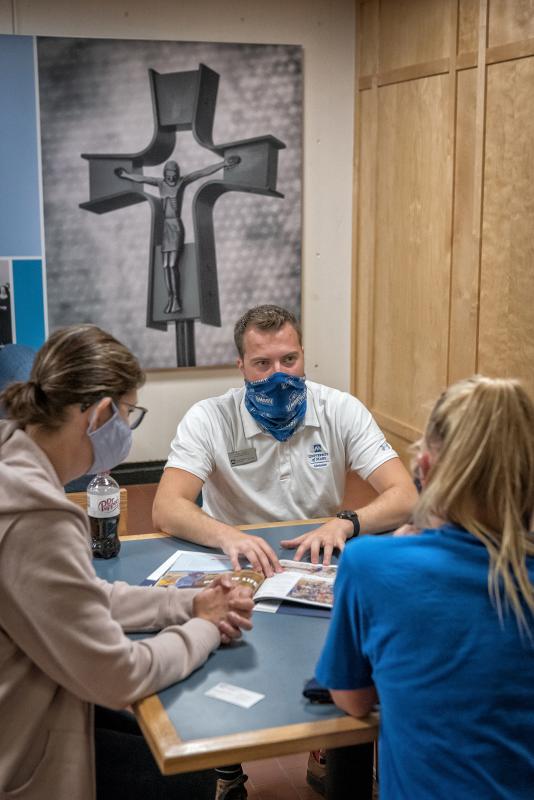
171	176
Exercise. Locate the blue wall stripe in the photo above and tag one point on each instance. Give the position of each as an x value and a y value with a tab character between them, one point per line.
29	305
20	202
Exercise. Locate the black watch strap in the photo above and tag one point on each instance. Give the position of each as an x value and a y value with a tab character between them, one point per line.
352	517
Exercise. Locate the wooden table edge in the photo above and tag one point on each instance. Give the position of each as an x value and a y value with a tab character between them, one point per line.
174	755
251	527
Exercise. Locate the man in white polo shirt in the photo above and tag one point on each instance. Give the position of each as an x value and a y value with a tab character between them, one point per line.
277	448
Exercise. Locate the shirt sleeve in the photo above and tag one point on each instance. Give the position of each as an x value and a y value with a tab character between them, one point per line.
135	610
343	664
59	615
366	447
191	448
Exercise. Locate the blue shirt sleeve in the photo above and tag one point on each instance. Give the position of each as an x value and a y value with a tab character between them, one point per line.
343	664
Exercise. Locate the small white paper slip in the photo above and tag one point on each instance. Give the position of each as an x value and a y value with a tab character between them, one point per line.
235	695
268	606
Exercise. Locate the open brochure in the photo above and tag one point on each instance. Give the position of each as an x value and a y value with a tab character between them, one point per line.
300	582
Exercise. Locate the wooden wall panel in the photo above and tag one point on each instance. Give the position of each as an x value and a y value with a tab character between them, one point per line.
510	21
468	26
412	249
464	270
365	239
444	227
413	32
506	338
368	37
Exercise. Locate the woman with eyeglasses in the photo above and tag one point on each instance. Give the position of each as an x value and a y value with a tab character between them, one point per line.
438	624
63	649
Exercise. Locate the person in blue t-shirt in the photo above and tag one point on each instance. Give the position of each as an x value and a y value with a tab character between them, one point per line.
438	625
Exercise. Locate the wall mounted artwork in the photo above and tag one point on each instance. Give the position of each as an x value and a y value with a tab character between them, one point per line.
169	179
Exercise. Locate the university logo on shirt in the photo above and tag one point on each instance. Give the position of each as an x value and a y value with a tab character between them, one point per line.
319	457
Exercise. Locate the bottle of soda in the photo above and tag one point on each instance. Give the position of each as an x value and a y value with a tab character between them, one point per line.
103	507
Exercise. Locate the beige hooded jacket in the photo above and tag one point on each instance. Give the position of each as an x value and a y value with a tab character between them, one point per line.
62	641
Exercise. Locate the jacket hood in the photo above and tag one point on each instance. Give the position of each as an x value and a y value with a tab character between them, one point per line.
28	481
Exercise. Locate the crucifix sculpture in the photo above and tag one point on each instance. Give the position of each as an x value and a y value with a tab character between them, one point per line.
182	282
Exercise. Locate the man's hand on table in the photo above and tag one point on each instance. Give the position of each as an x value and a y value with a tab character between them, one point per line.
255	549
332	535
227	606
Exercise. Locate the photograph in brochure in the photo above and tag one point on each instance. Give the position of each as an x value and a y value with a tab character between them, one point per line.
304	583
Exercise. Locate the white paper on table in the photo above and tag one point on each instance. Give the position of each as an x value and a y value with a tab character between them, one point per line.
234	695
268	606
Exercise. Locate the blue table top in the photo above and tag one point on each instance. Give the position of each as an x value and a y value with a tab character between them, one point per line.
275	658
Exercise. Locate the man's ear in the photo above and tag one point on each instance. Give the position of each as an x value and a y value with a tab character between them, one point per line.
241	366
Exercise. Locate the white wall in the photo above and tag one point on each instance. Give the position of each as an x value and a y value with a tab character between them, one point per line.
325	29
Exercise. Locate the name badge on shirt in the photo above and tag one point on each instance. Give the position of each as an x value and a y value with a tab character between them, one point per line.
240	457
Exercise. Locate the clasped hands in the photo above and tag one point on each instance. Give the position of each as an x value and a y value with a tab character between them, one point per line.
227	606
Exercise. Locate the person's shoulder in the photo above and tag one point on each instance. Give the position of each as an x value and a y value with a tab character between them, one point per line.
209	417
392	548
231	399
378	547
330	398
7	429
328	392
357	566
375	559
367	545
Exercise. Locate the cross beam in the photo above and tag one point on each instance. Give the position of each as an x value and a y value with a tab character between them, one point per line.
183	101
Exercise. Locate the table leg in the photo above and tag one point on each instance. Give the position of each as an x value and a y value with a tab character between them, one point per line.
349	772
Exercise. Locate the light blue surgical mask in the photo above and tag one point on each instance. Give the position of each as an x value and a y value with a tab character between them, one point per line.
277	403
111	442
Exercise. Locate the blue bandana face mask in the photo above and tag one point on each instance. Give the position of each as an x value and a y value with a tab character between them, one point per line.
277	403
111	443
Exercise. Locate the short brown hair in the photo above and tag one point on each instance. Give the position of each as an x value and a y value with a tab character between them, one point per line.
78	364
265	318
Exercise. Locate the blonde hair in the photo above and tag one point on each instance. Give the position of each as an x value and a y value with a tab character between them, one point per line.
482	430
78	364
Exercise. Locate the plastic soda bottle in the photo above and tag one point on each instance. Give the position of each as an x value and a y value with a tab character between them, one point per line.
103	508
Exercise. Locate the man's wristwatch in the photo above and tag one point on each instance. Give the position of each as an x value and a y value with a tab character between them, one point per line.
352	517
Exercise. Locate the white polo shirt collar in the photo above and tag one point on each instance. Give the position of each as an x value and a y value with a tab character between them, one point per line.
252	428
